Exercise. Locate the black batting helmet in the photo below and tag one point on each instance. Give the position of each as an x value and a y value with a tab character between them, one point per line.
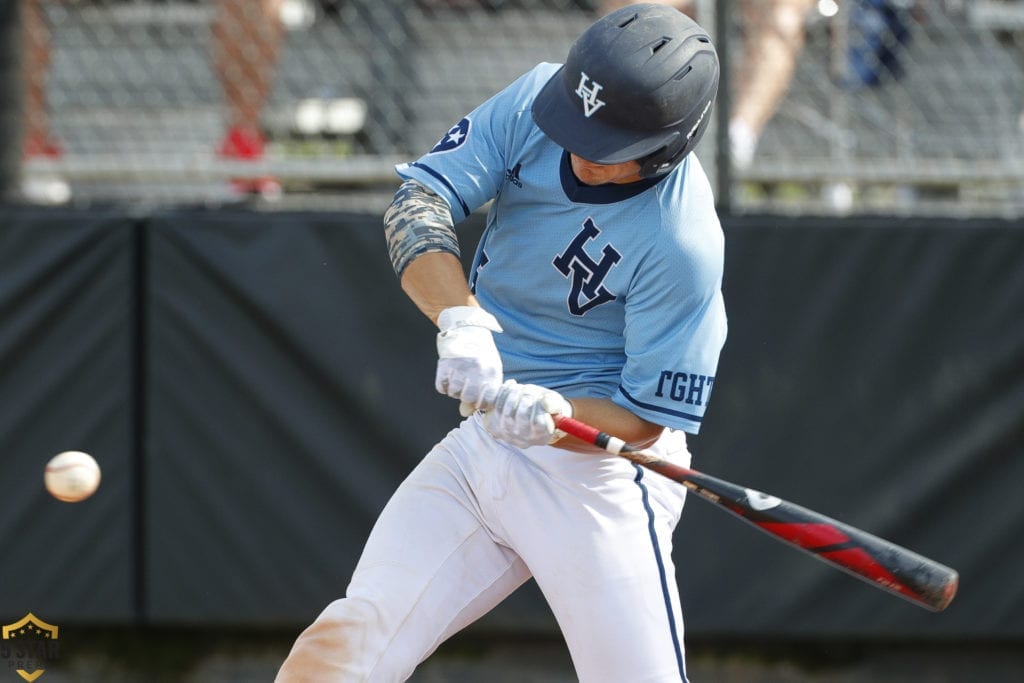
637	85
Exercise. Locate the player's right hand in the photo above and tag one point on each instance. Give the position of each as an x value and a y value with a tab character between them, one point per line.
523	414
468	365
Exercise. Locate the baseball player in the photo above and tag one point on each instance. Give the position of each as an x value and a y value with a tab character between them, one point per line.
595	292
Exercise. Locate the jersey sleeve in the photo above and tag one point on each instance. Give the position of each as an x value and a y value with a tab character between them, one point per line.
467	165
675	327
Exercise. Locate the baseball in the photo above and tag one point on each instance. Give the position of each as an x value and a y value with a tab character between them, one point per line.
72	476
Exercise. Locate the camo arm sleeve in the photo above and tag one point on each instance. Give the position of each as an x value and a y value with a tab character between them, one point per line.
417	222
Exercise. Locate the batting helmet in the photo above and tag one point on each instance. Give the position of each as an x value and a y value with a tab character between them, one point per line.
637	85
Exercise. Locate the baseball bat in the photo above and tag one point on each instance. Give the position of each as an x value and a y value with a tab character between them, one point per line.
883	564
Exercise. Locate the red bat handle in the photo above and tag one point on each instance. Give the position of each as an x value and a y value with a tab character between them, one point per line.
583	431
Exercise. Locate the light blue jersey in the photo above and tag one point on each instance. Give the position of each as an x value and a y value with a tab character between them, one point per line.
610	291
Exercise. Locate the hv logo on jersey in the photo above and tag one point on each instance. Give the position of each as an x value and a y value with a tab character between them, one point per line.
586	274
454	138
589	95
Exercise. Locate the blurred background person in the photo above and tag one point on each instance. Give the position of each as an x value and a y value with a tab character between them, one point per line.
882	29
246	40
37	140
772	39
247	37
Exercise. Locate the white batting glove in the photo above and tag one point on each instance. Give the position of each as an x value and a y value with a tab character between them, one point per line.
468	365
522	414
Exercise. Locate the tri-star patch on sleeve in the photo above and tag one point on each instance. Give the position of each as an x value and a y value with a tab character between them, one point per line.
454	138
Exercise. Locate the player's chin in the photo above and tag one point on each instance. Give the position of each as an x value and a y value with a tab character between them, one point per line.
590	173
589	176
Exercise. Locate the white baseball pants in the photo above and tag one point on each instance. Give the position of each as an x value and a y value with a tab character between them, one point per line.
472	522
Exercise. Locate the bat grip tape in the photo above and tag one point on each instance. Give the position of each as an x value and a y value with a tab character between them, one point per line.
585	432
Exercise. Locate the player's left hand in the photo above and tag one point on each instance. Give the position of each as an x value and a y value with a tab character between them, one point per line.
522	414
468	365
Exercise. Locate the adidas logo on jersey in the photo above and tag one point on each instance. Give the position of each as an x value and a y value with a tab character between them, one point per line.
512	175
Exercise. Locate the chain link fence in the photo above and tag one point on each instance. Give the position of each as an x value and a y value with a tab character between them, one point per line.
897	106
908	107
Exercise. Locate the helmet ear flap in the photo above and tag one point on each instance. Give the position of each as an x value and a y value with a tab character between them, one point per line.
655	164
665	158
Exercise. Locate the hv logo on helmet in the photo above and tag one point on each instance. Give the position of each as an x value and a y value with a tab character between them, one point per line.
589	95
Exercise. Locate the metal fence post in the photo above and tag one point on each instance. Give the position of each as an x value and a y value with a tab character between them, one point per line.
10	99
723	158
